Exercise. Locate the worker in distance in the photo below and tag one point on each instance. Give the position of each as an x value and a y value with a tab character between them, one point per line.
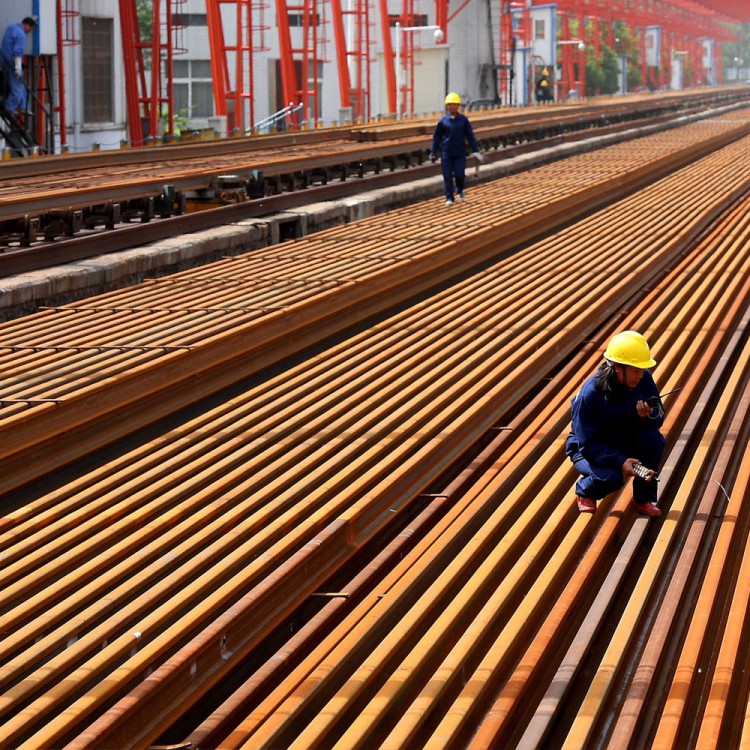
451	135
615	427
11	57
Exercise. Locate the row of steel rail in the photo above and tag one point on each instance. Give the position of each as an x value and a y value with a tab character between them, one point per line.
32	186
115	361
73	200
131	593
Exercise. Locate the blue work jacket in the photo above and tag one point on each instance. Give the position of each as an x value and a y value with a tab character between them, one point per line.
451	134
14	41
603	430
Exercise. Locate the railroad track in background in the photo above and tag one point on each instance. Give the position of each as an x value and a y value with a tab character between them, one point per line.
74	207
136	589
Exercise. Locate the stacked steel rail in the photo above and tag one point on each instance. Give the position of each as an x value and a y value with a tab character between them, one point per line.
94	362
63	194
508	569
212	534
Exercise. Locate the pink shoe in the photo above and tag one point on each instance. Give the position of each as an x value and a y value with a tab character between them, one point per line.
648	509
585	504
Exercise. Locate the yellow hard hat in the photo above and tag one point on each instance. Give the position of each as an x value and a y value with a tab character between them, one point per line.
544	82
629	348
453	98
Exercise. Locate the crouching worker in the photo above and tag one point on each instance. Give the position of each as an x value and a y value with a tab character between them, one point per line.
615	424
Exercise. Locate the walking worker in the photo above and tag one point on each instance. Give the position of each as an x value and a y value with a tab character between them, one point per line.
616	418
451	134
11	53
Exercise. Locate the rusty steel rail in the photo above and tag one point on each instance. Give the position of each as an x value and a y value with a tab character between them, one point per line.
77	232
614	107
531	117
108	178
304	482
98	369
125	236
368	728
685	311
505	141
517	606
507	442
711	450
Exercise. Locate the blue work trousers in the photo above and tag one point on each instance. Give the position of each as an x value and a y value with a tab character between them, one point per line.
597	480
16	98
453	167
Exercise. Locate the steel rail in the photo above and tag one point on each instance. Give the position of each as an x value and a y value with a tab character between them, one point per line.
123	237
499	728
226	720
599	699
665	634
175	674
364	732
349	739
135	176
357	728
365	520
16	169
464	517
715	714
608	107
146	377
689	689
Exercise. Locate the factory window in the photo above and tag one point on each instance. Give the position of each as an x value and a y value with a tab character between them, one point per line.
97	40
193	89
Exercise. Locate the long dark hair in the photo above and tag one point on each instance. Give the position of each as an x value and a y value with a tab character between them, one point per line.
606	380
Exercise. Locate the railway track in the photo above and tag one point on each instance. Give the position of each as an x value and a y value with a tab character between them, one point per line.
139	585
82	196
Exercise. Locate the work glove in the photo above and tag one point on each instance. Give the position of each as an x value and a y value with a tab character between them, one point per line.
19	67
433	158
478	156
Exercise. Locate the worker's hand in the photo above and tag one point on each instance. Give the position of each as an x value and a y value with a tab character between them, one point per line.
627	467
478	156
433	158
19	67
643	408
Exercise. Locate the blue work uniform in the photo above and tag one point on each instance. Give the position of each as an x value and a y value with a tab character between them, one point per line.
450	136
14	41
605	432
